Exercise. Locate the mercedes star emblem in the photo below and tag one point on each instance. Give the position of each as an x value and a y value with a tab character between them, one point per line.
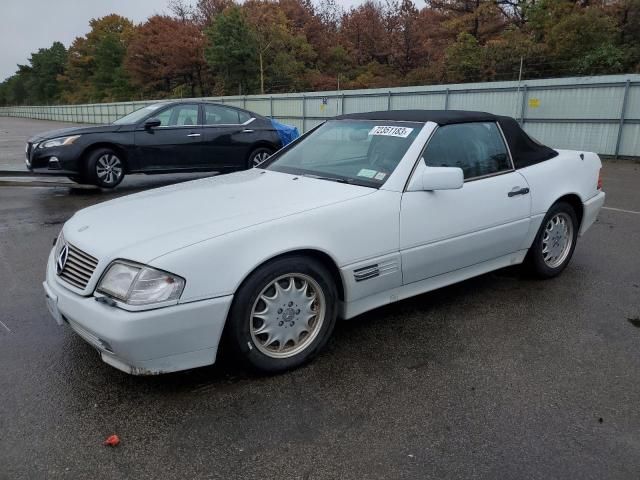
61	261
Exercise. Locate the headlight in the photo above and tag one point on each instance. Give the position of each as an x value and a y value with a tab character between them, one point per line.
140	285
59	142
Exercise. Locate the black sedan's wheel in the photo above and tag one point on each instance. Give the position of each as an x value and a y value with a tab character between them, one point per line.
555	242
105	168
283	314
258	156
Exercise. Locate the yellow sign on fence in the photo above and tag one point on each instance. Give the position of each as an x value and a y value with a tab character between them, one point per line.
534	102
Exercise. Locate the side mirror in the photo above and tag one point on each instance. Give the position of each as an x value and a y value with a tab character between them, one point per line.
152	123
442	178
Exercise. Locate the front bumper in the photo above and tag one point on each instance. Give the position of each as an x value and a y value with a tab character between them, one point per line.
141	343
53	161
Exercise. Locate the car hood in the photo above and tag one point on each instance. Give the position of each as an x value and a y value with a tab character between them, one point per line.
73	131
149	224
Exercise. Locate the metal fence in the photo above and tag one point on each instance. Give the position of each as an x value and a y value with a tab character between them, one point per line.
600	114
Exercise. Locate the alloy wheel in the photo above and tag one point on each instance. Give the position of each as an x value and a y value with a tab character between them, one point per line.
260	157
109	169
557	240
287	315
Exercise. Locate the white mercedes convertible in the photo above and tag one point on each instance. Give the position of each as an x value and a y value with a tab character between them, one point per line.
364	210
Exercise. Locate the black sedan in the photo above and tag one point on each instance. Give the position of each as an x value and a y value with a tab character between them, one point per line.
164	137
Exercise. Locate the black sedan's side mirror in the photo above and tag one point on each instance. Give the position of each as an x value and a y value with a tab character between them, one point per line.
152	123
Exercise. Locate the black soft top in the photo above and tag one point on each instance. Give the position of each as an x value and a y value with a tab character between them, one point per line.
524	150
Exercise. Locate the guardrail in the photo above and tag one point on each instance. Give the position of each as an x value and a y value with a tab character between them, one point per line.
600	114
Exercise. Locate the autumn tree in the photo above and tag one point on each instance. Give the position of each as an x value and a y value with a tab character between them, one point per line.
203	13
284	55
364	34
94	70
479	18
166	56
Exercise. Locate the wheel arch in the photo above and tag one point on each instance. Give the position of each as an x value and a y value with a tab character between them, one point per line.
319	255
261	144
122	153
575	201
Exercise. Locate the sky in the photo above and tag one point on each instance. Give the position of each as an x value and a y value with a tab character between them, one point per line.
27	25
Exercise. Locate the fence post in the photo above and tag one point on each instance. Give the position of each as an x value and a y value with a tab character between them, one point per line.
271	106
342	105
446	99
523	105
389	101
304	112
244	102
623	111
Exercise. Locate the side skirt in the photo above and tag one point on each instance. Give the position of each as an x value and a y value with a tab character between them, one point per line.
351	309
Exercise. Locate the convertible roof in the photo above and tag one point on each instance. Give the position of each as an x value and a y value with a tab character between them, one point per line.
441	117
524	150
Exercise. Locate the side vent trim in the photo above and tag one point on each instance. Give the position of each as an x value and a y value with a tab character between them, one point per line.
365	273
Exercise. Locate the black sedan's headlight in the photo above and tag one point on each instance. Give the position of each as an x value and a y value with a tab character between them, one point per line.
59	142
136	284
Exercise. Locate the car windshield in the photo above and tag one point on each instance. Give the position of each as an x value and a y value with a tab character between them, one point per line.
362	152
137	115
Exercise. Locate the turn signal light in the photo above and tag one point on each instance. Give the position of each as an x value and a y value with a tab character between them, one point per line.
599	179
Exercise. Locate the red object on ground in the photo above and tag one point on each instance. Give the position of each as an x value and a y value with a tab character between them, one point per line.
112	441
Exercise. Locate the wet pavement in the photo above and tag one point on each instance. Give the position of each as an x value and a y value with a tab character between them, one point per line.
497	377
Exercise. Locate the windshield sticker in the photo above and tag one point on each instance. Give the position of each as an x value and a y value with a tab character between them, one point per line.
380	176
402	132
365	172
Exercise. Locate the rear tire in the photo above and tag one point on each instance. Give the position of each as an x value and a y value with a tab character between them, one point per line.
257	156
282	315
555	242
105	168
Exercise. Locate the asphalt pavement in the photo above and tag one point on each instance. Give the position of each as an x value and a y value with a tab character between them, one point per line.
500	376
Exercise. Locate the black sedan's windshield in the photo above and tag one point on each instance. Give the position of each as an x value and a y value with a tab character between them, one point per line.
137	115
363	152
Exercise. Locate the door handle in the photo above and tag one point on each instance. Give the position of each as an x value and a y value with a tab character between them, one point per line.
247	130
193	135
518	191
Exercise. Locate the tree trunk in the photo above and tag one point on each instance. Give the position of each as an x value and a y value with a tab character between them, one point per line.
261	75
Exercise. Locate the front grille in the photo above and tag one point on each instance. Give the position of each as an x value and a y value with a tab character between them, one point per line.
79	267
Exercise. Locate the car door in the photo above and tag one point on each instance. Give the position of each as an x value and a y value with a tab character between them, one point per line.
175	144
446	230
228	136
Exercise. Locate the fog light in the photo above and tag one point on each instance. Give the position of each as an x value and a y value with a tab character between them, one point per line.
54	163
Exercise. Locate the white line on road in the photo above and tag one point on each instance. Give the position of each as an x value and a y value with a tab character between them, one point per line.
620	210
8	329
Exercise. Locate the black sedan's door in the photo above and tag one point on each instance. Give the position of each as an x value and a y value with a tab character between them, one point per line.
175	144
227	137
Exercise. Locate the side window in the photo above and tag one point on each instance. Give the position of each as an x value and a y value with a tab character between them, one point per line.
165	117
244	116
476	148
179	115
218	115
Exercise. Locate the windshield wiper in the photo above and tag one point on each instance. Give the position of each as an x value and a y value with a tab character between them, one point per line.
331	179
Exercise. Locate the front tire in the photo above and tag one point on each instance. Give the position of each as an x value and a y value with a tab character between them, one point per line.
555	242
283	314
257	156
105	168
